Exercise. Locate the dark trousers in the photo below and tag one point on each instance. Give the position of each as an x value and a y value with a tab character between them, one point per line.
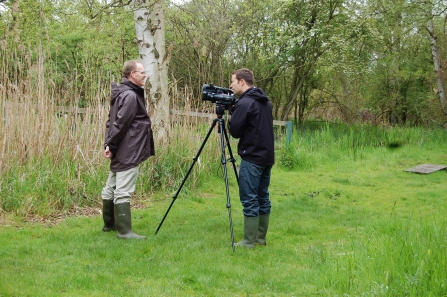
254	181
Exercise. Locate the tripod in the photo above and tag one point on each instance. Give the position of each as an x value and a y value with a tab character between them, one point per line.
220	110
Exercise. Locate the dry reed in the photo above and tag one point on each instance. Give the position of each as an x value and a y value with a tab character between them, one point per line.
43	125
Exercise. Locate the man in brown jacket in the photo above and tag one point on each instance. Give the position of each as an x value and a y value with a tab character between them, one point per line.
128	142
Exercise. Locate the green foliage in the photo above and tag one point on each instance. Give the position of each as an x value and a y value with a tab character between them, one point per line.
333	60
293	158
82	47
319	143
201	32
172	162
399	85
42	188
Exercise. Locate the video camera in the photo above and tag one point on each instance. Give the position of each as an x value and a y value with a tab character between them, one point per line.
218	95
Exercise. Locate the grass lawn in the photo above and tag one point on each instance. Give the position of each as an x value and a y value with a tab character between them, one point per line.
342	227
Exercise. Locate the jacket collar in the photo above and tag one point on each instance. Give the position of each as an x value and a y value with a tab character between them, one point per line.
139	90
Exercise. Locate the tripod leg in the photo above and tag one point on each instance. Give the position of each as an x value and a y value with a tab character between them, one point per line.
187	174
232	159
222	133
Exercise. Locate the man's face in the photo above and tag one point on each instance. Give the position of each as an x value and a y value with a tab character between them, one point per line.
138	76
237	85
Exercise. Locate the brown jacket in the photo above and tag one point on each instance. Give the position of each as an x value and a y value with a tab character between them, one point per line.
128	129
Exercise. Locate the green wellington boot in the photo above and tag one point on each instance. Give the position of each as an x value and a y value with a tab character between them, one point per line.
250	231
108	215
262	229
123	222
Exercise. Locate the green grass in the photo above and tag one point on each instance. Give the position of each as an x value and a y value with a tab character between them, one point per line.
343	225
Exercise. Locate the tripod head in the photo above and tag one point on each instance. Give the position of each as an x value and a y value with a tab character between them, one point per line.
220	109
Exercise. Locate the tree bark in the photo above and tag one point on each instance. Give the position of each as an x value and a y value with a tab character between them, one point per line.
295	91
440	74
150	34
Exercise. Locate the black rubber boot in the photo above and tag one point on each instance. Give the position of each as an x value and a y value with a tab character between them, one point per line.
123	222
262	229
250	231
108	215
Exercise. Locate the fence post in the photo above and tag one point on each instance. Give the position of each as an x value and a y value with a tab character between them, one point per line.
288	131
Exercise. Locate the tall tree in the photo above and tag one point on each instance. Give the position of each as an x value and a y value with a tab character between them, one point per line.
255	45
201	31
436	55
309	29
395	80
150	36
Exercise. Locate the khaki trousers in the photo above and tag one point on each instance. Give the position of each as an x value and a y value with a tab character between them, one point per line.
120	186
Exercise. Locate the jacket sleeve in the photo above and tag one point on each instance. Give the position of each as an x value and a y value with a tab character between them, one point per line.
126	111
107	132
237	121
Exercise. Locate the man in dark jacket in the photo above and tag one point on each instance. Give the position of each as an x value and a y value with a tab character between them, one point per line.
128	142
252	123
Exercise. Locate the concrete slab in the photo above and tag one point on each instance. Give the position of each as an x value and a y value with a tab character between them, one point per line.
426	168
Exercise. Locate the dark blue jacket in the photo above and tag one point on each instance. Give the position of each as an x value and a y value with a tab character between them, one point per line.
252	122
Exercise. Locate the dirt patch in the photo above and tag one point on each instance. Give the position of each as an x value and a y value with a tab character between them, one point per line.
56	218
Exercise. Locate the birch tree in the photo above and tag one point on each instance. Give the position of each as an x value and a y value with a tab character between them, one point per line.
149	20
440	73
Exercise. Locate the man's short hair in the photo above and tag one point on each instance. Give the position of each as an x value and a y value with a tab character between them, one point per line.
128	67
246	75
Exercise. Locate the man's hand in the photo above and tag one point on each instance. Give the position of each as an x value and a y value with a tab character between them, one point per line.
231	109
107	153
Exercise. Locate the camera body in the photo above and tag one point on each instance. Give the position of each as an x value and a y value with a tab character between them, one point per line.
218	95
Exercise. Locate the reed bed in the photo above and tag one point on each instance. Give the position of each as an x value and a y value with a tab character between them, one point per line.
51	136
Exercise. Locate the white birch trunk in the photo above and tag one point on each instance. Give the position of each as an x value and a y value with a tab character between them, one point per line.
150	34
440	75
